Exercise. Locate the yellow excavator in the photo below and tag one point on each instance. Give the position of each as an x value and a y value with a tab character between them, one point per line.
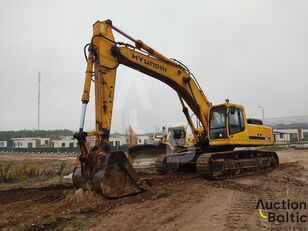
223	127
175	137
172	140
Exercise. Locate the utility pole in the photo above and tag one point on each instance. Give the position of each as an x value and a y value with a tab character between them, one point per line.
123	125
38	101
262	114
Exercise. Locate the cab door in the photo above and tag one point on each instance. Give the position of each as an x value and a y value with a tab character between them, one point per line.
236	124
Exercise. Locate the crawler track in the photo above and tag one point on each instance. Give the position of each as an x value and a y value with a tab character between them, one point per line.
167	163
235	163
219	165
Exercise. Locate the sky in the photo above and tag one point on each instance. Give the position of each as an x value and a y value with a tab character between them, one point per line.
252	52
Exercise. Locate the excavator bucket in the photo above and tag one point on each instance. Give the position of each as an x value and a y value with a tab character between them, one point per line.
114	177
147	154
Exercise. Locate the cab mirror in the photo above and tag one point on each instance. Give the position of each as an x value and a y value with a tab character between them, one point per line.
232	109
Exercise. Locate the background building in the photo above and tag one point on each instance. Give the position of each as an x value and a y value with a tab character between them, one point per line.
290	135
64	142
33	142
3	144
117	140
142	139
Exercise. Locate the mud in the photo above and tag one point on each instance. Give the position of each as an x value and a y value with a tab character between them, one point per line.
177	201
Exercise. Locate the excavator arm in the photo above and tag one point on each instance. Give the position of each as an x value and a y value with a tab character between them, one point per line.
108	54
99	168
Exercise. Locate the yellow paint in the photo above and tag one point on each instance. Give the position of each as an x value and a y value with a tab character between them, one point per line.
260	211
166	70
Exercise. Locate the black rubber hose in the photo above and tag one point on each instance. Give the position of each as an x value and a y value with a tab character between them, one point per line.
84	51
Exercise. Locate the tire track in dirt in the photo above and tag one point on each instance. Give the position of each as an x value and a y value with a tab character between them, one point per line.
243	214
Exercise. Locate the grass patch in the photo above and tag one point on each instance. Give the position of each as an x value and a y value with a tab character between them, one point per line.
60	172
4	172
27	170
276	147
29	228
33	172
62	167
64	181
36	207
79	223
68	191
50	216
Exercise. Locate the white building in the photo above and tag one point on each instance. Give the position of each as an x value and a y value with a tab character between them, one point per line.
65	142
3	144
114	140
142	139
289	135
31	142
117	140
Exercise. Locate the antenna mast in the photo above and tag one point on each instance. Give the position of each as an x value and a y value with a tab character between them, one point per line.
38	101
123	125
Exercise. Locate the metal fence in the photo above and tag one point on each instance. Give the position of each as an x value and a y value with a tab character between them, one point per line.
55	150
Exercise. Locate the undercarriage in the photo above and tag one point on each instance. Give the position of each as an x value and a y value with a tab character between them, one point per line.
219	165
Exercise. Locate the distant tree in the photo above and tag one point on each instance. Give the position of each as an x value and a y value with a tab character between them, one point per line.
53	134
290	126
131	138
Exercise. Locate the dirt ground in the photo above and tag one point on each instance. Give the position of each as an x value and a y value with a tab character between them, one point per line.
176	201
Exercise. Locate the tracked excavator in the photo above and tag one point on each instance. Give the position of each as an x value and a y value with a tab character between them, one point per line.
223	127
176	136
172	140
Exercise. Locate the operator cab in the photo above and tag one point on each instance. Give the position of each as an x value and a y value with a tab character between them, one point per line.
226	119
178	136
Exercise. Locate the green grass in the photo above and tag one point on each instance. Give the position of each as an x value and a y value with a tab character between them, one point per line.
36	207
4	172
64	181
63	164
276	147
68	191
79	223
60	172
50	216
29	228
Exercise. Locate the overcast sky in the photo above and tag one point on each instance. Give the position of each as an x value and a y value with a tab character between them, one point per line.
253	52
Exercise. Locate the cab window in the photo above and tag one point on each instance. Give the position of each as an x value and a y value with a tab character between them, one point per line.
218	123
236	121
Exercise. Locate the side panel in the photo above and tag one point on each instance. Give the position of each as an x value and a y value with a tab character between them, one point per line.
256	135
